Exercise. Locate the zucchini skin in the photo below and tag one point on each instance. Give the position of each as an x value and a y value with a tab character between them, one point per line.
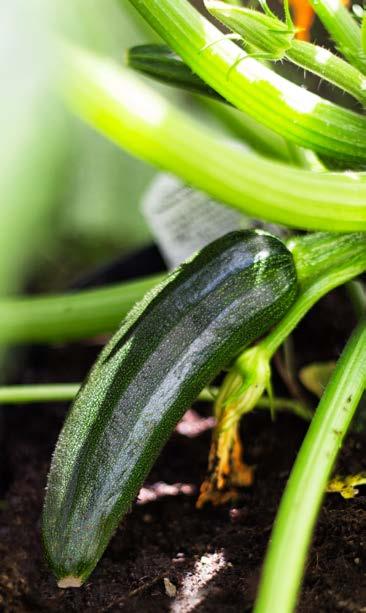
168	348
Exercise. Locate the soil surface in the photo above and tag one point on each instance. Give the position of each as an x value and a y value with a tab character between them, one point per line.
166	555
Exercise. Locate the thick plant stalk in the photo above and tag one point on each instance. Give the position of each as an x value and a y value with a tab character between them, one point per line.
117	104
300	505
293	112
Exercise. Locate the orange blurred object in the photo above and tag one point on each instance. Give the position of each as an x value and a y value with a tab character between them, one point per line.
304	17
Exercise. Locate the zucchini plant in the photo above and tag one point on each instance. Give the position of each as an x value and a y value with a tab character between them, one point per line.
234	303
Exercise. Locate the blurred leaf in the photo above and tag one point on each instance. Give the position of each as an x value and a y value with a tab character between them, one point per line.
33	146
105	193
106	184
315	377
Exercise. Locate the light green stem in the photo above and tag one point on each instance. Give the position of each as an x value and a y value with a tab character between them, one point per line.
344	30
293	112
300	504
29	394
160	63
60	392
70	316
330	67
120	106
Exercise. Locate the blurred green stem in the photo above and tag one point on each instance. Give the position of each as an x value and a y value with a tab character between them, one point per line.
42	393
70	316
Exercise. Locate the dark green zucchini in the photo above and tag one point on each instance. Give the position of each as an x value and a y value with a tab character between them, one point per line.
168	348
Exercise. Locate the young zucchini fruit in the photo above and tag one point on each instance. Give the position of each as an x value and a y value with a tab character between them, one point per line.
167	349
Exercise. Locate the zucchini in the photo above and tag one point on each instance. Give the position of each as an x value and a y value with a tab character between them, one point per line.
167	349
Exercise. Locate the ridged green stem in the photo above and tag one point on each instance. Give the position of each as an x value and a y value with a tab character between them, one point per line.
300	504
330	67
344	30
294	113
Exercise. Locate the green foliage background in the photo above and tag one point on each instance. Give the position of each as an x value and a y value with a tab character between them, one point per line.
68	197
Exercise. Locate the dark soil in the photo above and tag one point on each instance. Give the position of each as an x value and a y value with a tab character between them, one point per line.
212	557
